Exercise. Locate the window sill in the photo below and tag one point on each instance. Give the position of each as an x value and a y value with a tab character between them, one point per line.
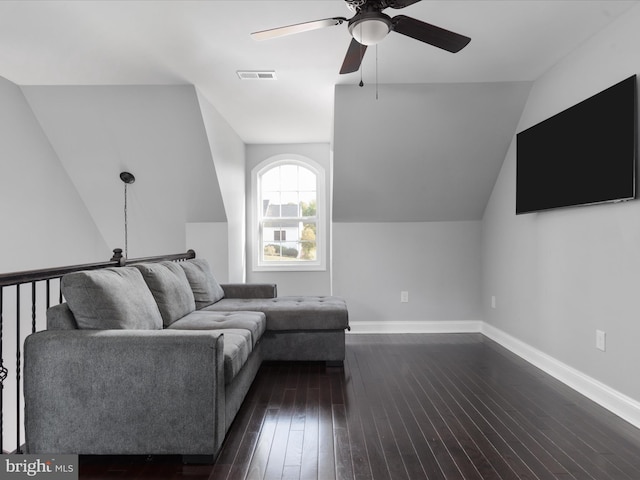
290	268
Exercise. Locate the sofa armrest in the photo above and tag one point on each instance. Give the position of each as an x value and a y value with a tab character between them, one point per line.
124	391
250	290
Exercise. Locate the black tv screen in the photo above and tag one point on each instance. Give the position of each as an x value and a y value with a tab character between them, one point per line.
581	156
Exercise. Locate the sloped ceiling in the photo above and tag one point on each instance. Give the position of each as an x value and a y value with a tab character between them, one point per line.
421	152
154	132
162	42
411	158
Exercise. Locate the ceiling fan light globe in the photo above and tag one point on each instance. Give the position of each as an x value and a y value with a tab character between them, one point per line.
370	31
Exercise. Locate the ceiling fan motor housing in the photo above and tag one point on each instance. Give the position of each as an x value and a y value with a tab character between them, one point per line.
369	28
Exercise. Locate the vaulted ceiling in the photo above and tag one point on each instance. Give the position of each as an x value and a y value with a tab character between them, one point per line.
446	143
204	43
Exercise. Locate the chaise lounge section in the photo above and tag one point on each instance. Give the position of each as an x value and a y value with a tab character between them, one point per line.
156	358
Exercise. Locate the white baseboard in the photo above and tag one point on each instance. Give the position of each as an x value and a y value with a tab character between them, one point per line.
621	405
460	326
605	396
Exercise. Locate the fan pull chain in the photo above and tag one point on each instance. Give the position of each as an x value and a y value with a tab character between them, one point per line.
361	55
376	71
126	246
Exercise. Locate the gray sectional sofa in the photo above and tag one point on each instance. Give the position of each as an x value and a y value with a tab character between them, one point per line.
157	358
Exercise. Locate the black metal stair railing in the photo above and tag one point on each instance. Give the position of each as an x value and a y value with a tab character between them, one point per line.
36	278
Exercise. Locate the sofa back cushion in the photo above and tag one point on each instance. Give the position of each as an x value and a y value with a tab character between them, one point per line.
170	288
111	298
205	287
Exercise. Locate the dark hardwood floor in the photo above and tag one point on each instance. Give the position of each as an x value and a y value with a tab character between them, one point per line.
408	407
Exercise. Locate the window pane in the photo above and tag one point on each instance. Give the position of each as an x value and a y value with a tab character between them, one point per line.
270	180
280	251
271	252
307	179
308	241
271	204
308	206
271	226
308	251
288	178
289	198
268	232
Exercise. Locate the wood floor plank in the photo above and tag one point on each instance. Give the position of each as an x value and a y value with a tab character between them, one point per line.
470	459
344	466
310	445
527	464
326	438
262	450
378	405
434	407
530	441
588	438
418	456
524	415
359	453
278	452
235	456
505	459
444	440
377	460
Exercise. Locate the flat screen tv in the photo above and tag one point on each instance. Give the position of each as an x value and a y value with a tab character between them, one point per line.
581	156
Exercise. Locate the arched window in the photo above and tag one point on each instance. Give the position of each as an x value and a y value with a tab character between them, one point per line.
289	215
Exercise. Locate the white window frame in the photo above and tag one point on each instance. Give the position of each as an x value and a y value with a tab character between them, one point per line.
319	264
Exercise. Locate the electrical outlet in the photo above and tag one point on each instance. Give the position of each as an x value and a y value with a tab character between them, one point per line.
404	296
601	340
493	301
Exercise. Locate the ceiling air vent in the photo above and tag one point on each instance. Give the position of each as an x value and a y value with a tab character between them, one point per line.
256	75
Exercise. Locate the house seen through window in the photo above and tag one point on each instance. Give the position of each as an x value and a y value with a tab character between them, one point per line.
288	217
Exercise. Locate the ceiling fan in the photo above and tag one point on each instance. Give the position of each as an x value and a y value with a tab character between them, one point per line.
369	26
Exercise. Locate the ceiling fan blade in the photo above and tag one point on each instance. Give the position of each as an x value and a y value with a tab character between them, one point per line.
353	58
297	28
401	3
425	32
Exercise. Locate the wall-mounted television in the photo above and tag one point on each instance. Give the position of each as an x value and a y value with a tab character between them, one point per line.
581	156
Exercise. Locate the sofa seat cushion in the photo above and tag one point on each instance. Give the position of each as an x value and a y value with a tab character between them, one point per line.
170	288
205	287
292	313
254	322
111	298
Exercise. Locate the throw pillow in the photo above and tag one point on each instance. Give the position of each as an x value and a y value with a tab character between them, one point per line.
206	289
111	298
170	288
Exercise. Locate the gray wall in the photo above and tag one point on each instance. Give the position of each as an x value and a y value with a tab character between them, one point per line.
414	169
228	153
558	276
45	222
438	263
155	132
